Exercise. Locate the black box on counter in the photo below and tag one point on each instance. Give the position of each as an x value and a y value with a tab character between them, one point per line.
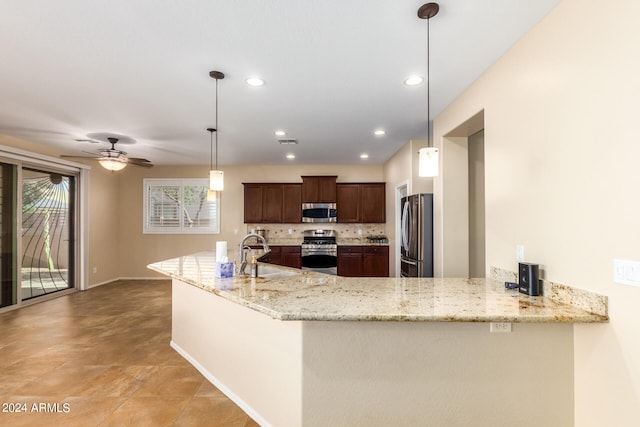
528	280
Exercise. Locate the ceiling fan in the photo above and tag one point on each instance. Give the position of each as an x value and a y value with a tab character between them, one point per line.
112	159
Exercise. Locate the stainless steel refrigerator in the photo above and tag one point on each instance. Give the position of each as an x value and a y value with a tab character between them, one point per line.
416	251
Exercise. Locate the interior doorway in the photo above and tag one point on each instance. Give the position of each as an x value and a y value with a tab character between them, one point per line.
462	241
477	257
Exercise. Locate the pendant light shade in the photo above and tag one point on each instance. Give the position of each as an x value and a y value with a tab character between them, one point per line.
216	177
428	162
216	180
428	156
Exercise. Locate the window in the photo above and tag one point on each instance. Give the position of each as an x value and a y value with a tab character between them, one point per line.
179	206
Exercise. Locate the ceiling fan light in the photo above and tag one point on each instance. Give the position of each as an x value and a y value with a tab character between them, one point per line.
216	180
428	162
112	164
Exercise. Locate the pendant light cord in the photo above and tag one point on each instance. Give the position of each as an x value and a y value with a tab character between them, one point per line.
216	124
428	87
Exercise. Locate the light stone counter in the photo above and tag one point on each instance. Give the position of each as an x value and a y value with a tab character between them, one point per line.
304	295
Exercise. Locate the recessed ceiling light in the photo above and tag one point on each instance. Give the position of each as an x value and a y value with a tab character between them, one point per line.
254	81
364	156
280	133
291	156
413	80
379	132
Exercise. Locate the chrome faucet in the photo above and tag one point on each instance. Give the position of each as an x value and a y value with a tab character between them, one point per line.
243	247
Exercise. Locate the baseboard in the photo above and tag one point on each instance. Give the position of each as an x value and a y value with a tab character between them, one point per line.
220	386
95	285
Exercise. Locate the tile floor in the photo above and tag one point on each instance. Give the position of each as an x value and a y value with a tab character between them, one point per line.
102	358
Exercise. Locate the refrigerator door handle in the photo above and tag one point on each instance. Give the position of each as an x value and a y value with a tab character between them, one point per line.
405	226
406	261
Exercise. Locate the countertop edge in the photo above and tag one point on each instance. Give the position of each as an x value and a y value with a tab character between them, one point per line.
582	316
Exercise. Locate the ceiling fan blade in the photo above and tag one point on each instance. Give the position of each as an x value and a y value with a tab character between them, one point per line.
91	154
67	156
139	162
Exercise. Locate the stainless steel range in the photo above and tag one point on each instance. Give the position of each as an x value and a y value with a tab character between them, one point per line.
319	251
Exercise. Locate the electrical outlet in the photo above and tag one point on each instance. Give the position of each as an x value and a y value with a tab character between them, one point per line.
519	253
95	270
626	272
499	327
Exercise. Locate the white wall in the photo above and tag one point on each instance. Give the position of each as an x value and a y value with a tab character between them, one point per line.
562	175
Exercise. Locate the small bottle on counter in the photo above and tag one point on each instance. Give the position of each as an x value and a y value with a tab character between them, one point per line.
254	267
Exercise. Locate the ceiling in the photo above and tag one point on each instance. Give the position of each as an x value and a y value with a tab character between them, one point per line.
333	72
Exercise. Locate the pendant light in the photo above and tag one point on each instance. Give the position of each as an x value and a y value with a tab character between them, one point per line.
216	177
428	156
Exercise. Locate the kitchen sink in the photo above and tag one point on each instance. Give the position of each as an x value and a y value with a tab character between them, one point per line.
274	273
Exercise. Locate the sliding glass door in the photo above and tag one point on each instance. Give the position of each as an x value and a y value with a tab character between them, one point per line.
8	232
48	232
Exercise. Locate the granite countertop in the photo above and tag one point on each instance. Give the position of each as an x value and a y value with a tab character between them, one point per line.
306	295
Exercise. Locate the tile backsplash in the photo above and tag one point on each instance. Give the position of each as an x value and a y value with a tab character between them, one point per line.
344	231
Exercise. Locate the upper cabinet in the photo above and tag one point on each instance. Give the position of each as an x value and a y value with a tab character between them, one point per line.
272	203
282	202
364	203
319	189
291	203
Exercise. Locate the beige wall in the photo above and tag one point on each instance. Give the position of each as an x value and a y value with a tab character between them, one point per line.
402	170
103	216
117	247
561	157
138	250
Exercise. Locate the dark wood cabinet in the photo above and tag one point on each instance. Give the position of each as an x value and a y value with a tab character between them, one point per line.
350	261
348	202
375	261
363	261
272	203
291	203
372	203
361	202
288	256
252	203
319	189
291	256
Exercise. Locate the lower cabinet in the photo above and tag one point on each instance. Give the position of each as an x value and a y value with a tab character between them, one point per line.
363	261
350	261
375	261
288	256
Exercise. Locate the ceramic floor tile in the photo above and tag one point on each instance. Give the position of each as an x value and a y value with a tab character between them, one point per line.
105	354
146	411
202	411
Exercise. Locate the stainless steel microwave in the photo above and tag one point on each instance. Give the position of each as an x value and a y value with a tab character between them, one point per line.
319	212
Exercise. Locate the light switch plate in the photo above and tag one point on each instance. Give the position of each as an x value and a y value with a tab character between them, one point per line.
519	253
626	272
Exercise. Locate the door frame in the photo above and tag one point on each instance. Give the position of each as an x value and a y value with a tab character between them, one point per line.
22	158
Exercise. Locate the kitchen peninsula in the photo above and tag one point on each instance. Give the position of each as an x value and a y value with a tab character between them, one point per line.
299	348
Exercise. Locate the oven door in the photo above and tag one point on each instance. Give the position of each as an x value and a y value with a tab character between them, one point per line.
320	260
